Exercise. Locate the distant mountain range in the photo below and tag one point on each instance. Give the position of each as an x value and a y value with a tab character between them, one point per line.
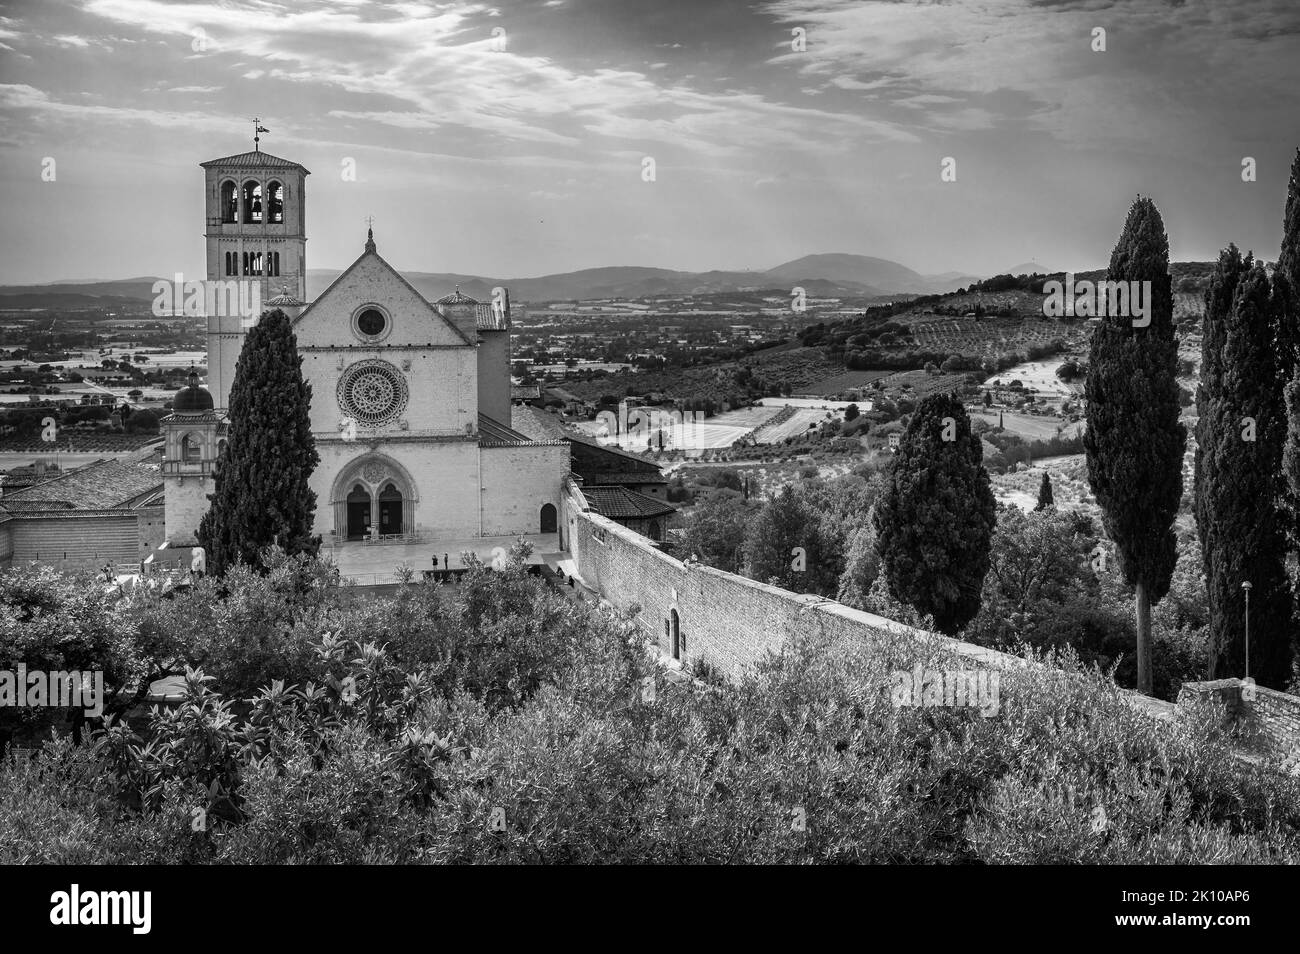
835	275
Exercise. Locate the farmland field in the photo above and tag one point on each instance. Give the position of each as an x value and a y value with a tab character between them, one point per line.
1069	476
922	384
803	418
1040	376
844	382
1028	426
721	430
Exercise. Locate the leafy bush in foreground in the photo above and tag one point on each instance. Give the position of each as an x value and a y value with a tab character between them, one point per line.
406	754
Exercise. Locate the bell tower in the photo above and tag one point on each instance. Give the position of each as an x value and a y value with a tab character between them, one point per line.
255	207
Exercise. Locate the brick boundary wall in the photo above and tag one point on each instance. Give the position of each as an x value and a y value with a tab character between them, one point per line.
731	622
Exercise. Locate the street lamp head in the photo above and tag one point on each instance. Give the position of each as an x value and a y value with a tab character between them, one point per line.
1246	585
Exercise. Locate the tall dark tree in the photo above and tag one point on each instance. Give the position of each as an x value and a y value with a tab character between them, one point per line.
1240	431
1134	442
935	516
1045	498
1286	277
1286	281
261	493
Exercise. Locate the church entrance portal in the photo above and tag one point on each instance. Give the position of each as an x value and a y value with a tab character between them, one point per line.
390	510
358	513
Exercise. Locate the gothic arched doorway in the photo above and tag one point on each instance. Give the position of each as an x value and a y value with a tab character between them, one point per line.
548	518
358	512
390	509
373	493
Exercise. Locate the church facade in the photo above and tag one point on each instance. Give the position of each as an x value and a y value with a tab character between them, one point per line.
410	399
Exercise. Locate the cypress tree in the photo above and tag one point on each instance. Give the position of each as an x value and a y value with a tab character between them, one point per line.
1240	432
1134	442
1045	499
934	519
261	493
1286	282
1286	277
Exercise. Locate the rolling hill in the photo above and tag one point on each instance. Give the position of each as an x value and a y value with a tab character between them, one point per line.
825	275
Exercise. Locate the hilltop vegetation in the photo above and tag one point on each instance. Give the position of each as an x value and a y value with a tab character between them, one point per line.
501	722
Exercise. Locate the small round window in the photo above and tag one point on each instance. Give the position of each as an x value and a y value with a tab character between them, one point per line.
372	323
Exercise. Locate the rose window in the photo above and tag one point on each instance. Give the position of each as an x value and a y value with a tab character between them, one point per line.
373	392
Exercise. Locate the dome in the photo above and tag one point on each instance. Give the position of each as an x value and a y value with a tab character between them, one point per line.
192	399
456	298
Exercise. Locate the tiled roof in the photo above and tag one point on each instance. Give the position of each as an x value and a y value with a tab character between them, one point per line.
597	479
103	485
494	432
491	318
537	424
256	160
285	300
610	457
456	298
616	502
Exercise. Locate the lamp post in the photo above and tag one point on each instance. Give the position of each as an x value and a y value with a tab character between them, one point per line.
1247	587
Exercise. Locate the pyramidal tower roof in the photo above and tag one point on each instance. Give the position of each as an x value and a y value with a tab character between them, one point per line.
255	160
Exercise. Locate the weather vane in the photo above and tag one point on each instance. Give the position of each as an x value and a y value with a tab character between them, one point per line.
370	221
258	128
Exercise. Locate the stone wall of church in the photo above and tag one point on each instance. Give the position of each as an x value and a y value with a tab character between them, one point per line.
442	399
185	504
494	375
439	478
517	482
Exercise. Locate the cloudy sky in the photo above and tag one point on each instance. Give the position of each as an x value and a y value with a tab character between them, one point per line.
528	159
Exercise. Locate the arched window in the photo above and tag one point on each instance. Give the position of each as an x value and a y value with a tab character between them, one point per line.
244	263
252	202
274	202
275	259
255	263
191	450
229	202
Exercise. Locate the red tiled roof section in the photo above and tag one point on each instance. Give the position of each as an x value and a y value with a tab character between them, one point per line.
619	502
104	485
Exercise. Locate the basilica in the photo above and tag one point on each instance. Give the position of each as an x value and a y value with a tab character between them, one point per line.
410	399
423	455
